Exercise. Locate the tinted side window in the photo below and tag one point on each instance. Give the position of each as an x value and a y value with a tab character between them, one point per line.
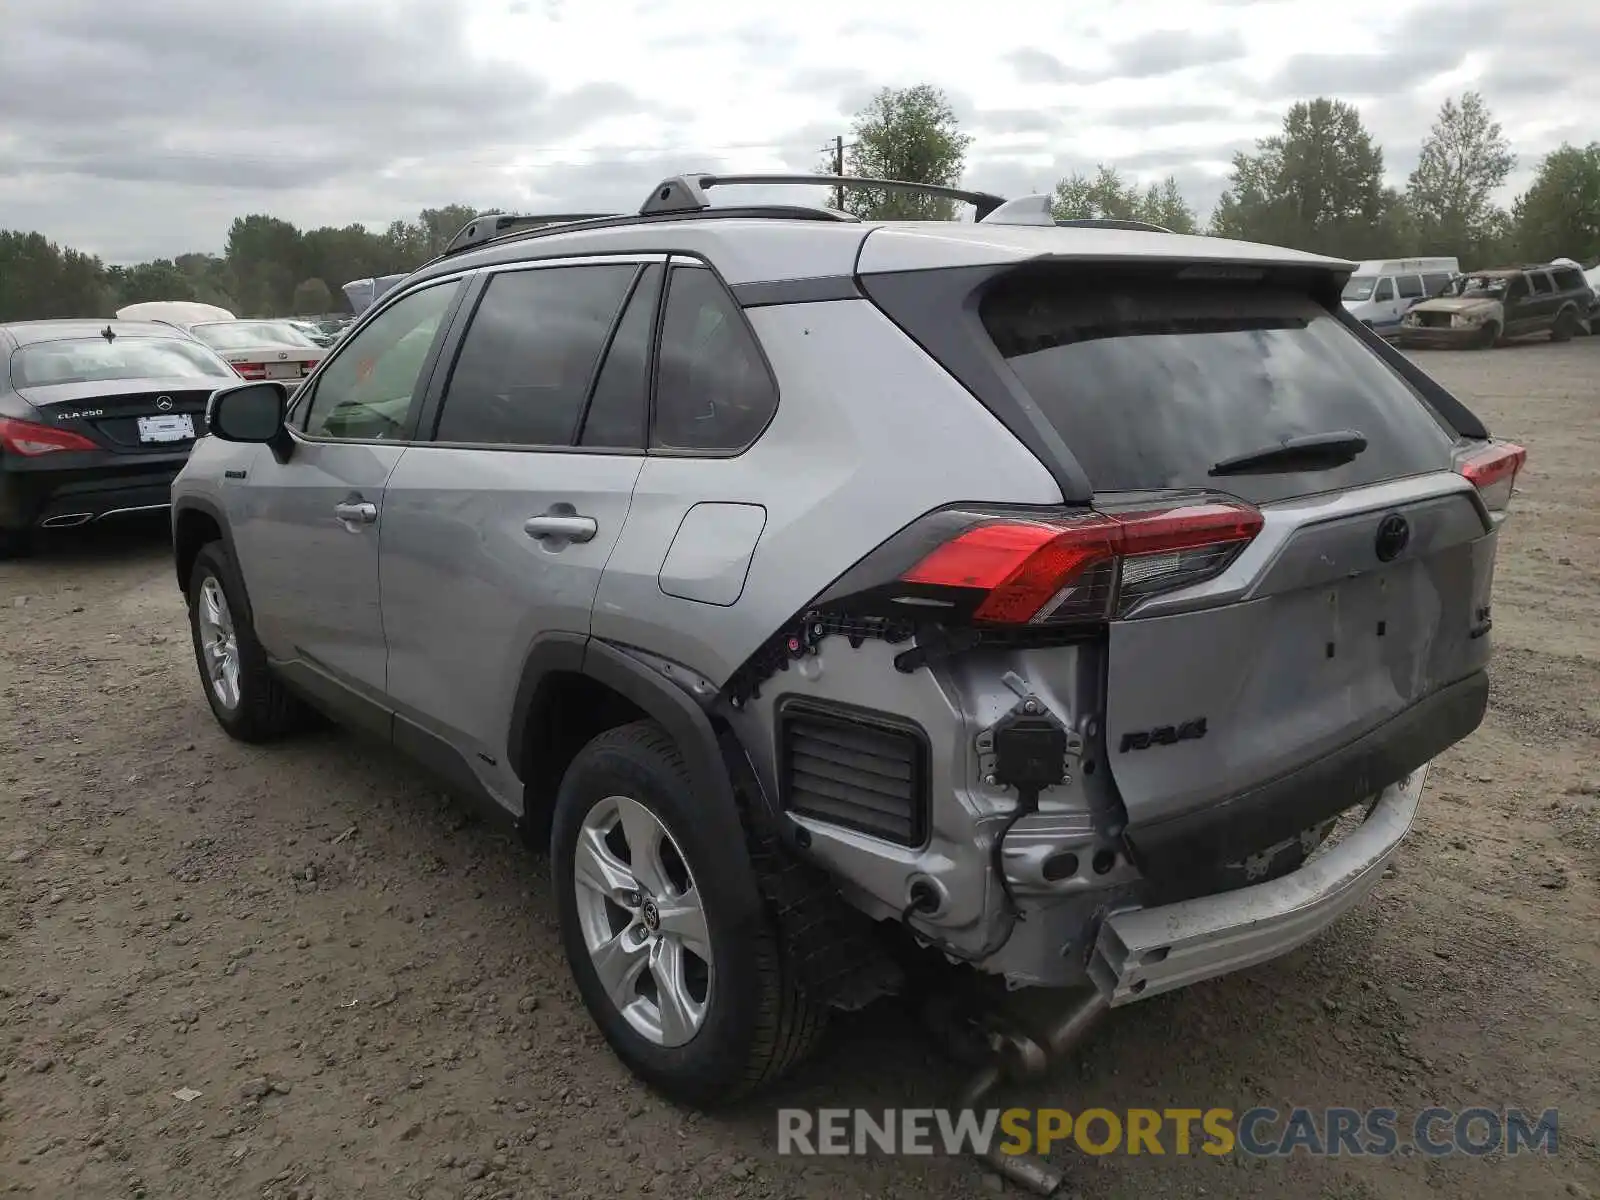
1434	284
1410	286
620	407
1541	284
1385	290
1569	280
713	390
529	355
1517	287
366	391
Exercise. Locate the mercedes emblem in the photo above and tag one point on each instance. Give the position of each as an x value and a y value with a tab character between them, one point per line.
164	403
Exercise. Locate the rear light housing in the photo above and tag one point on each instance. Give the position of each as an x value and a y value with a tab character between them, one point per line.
30	440
250	370
1493	470
307	367
1046	570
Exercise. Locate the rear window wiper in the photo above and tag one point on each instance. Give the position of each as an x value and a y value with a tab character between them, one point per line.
1309	452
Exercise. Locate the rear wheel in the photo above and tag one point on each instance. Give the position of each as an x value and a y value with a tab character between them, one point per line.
248	701
696	1005
1487	337
1565	327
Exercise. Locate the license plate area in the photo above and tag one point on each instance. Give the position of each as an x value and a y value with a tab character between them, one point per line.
283	370
167	427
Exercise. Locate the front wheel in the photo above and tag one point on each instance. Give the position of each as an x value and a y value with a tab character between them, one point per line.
248	701
1487	337
697	1005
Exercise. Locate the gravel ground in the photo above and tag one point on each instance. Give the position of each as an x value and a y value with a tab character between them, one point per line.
361	991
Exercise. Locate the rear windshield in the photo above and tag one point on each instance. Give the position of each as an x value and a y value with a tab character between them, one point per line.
1153	382
250	335
89	360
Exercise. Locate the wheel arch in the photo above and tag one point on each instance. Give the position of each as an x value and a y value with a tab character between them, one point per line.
197	522
572	689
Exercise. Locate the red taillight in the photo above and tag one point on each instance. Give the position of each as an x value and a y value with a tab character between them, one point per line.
30	440
307	367
1493	471
1075	568
251	370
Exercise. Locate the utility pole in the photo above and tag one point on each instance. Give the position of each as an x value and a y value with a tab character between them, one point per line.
838	169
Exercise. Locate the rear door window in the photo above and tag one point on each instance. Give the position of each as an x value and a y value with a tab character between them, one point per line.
1151	382
1435	284
529	356
1410	286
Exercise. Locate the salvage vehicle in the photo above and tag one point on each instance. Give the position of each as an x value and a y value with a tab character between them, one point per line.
1483	308
262	349
1078	605
96	417
1382	291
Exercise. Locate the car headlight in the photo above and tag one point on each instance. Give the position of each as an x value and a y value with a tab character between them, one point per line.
1465	320
1411	318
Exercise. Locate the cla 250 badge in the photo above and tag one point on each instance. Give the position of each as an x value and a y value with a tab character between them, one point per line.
1164	735
79	416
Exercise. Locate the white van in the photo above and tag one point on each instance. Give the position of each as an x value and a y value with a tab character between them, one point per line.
1380	291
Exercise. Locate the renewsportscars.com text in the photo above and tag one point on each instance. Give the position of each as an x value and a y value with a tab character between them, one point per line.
1255	1132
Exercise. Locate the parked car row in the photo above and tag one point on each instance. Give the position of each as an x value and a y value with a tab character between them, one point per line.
1428	302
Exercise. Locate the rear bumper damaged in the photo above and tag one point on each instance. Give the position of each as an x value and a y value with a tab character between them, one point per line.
1144	952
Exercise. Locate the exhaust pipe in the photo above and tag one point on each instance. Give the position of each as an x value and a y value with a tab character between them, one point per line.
66	520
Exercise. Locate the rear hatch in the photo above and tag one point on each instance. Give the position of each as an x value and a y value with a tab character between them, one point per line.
128	415
1293	575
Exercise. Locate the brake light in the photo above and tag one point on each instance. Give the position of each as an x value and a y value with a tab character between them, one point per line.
307	367
1052	570
251	370
31	440
1493	471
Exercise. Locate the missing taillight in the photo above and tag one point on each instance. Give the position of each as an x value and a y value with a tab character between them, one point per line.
1081	568
1493	471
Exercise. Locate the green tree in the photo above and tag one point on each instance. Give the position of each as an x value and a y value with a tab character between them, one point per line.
312	298
1107	194
39	279
1317	185
1559	215
160	279
1465	160
910	134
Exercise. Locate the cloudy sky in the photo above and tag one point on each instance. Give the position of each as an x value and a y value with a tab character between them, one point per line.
141	129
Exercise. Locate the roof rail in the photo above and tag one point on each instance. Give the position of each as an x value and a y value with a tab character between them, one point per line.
687	193
1112	223
486	227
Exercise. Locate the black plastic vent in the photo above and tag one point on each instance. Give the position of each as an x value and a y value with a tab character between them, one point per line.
855	769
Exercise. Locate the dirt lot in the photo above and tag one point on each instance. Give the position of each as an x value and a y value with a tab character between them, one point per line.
366	991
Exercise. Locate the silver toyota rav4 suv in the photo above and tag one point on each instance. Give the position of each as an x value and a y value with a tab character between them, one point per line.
1082	605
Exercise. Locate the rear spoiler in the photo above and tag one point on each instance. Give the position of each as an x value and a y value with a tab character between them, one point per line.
1456	414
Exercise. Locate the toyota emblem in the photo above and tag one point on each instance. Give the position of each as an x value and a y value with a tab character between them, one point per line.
1393	534
164	403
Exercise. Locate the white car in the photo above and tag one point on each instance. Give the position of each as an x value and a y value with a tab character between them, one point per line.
262	349
182	313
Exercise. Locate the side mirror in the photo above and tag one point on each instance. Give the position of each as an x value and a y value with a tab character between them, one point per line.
250	412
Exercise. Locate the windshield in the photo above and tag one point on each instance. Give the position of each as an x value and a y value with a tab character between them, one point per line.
250	335
1477	285
1360	287
86	360
1150	383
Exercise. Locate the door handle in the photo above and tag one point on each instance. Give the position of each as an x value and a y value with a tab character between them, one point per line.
566	528
362	512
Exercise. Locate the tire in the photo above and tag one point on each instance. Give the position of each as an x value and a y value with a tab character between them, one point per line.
1565	327
1487	337
256	707
744	1023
